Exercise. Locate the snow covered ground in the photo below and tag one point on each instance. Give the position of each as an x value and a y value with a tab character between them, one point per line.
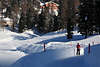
26	50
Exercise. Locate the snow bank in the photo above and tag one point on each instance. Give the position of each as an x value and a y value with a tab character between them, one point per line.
26	50
93	59
42	59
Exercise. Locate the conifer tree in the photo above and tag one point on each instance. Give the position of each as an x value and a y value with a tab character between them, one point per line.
84	22
88	17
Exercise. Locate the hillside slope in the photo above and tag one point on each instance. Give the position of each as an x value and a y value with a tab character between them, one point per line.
26	49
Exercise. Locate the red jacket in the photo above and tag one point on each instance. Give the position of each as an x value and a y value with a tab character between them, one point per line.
78	46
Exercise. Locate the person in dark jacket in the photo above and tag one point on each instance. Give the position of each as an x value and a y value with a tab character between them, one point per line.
89	48
78	49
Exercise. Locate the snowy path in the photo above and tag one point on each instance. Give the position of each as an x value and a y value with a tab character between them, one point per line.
8	53
56	55
59	50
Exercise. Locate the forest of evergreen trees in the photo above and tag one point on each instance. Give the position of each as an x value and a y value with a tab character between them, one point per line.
29	14
89	17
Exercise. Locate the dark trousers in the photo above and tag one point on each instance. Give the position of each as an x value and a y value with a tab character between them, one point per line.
78	51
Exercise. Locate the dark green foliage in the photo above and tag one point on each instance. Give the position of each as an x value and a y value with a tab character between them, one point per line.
69	29
89	13
98	16
83	20
22	23
48	22
30	22
40	24
29	17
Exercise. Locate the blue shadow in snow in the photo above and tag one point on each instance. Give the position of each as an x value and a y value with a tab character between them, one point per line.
62	39
58	39
31	35
48	59
93	58
93	49
54	33
20	38
23	37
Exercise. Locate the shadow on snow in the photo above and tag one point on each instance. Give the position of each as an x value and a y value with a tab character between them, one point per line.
48	59
62	39
30	36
